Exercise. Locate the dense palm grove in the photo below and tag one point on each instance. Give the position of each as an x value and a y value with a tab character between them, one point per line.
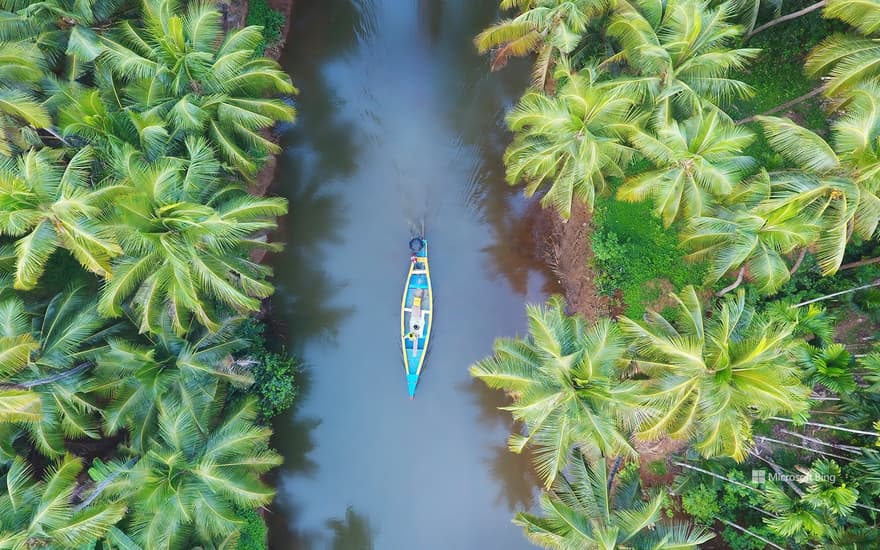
767	425
129	134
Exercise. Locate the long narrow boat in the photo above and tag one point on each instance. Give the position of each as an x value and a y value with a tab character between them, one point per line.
416	313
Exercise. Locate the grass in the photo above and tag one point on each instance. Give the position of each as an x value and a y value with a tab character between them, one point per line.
633	251
658	467
777	76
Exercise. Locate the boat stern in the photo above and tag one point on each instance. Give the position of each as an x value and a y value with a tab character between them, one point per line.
412	381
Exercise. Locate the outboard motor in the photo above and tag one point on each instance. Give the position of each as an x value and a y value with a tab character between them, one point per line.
416	244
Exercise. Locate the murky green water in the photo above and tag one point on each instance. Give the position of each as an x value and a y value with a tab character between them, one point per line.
400	125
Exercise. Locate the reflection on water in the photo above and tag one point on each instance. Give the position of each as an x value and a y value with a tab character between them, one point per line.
352	533
400	126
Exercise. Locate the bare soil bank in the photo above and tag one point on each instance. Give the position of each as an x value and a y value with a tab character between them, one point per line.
566	248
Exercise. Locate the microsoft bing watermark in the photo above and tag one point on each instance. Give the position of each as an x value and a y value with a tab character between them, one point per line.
760	477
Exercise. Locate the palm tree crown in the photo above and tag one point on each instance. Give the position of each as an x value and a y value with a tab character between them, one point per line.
186	79
573	138
186	237
46	206
563	379
136	376
698	161
42	514
753	236
848	60
22	66
549	27
47	358
681	51
835	184
584	511
709	377
186	487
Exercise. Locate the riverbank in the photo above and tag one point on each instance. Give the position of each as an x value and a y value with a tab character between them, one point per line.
566	248
235	17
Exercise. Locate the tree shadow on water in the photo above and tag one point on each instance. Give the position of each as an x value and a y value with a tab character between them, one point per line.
516	478
302	305
293	438
489	401
354	532
517	481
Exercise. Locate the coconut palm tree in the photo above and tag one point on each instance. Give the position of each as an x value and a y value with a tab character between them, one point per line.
182	78
697	162
751	237
186	237
837	183
710	377
573	139
549	27
43	514
45	205
48	363
682	52
65	31
16	346
184	489
563	379
586	510
135	376
22	66
848	60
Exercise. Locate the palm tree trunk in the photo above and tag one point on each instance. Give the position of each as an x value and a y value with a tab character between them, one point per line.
734	284
614	469
781	474
866	507
49	379
784	18
750	533
797	263
845	448
827	426
762	511
104	484
796	446
835	294
860	263
57	136
786	105
717	476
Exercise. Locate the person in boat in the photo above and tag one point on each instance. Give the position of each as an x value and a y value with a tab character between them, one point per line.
415	246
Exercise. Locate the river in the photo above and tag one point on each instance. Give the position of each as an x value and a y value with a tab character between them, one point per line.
400	126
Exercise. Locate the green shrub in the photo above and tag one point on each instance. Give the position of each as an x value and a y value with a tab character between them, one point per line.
701	503
272	21
737	540
274	373
274	383
254	531
713	499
